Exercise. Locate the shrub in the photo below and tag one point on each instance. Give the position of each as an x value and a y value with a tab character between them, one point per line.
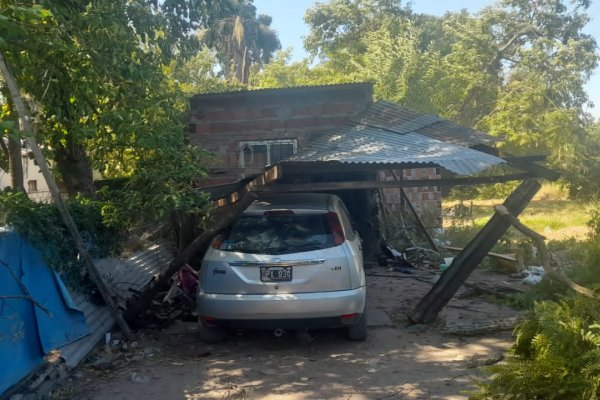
42	225
556	355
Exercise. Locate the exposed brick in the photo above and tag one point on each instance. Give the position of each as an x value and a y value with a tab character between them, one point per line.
202	128
301	122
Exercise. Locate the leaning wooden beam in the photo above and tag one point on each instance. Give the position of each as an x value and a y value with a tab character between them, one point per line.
462	266
270	175
223	218
533	168
545	259
27	130
318	186
420	222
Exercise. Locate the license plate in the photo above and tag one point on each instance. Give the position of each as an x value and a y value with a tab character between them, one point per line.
275	274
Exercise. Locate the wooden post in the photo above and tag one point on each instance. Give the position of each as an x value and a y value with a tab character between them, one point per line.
26	128
462	266
222	220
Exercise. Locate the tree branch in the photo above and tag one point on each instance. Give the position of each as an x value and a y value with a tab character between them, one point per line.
26	295
545	257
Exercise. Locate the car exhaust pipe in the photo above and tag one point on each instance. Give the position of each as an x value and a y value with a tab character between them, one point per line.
278	332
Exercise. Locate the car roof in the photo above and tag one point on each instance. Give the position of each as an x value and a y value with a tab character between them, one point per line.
295	201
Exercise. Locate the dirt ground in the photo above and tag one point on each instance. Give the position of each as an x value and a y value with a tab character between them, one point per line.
397	361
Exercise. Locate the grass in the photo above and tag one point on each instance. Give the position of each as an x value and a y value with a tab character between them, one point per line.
550	213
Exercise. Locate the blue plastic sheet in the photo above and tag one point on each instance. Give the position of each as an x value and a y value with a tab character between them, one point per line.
28	331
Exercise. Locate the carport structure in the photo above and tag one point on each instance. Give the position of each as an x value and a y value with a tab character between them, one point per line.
348	161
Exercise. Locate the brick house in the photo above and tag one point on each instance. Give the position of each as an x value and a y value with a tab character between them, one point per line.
251	129
336	133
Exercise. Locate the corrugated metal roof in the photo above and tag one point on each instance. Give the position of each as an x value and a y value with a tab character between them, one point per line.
393	117
120	274
367	145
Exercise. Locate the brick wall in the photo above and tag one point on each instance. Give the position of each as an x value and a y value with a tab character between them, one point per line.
221	122
427	200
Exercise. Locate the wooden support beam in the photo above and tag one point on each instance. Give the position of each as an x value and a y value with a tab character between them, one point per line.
545	258
27	130
463	265
414	212
527	165
222	218
269	176
349	185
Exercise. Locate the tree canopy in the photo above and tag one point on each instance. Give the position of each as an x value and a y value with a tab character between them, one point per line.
517	69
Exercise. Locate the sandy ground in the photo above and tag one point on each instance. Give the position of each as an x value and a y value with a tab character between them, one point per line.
397	361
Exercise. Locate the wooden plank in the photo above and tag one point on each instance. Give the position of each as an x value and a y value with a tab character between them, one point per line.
419	222
349	185
269	176
529	166
463	265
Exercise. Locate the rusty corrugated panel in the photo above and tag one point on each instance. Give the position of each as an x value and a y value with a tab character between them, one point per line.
395	118
121	275
367	145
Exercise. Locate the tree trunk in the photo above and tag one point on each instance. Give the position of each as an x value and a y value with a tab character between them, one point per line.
15	164
75	168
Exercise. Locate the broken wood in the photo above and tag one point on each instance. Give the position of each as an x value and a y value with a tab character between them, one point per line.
545	258
27	130
415	214
453	278
222	218
515	261
501	289
482	327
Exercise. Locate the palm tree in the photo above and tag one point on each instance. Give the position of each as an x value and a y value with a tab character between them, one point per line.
242	40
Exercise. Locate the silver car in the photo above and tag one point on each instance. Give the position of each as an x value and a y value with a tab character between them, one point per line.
289	262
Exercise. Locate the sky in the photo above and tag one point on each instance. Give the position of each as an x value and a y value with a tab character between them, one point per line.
288	22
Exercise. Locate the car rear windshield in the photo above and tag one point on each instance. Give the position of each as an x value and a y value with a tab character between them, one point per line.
279	234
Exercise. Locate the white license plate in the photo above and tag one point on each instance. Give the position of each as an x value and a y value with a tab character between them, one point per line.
275	274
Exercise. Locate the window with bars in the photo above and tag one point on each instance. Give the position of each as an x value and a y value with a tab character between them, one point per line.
257	154
32	186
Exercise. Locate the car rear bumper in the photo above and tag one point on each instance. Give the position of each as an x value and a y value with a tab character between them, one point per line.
324	306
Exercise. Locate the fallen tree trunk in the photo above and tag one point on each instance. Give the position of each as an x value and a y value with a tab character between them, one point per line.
223	218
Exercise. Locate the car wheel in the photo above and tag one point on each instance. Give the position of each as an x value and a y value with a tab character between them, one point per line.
358	331
210	334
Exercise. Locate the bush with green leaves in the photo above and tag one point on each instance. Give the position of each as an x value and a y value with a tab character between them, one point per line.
556	355
43	227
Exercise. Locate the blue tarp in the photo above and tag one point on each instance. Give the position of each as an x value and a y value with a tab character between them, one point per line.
28	331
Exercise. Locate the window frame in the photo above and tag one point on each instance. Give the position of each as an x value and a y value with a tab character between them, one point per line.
267	143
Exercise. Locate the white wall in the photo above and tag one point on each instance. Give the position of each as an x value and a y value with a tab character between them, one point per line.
33	180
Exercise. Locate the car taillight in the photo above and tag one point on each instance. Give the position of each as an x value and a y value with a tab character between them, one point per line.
336	228
348	318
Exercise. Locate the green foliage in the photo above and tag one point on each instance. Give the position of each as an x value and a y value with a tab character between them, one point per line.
516	70
42	226
594	222
556	355
164	184
241	39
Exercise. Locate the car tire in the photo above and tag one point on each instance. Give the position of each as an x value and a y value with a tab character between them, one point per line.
358	331
210	334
